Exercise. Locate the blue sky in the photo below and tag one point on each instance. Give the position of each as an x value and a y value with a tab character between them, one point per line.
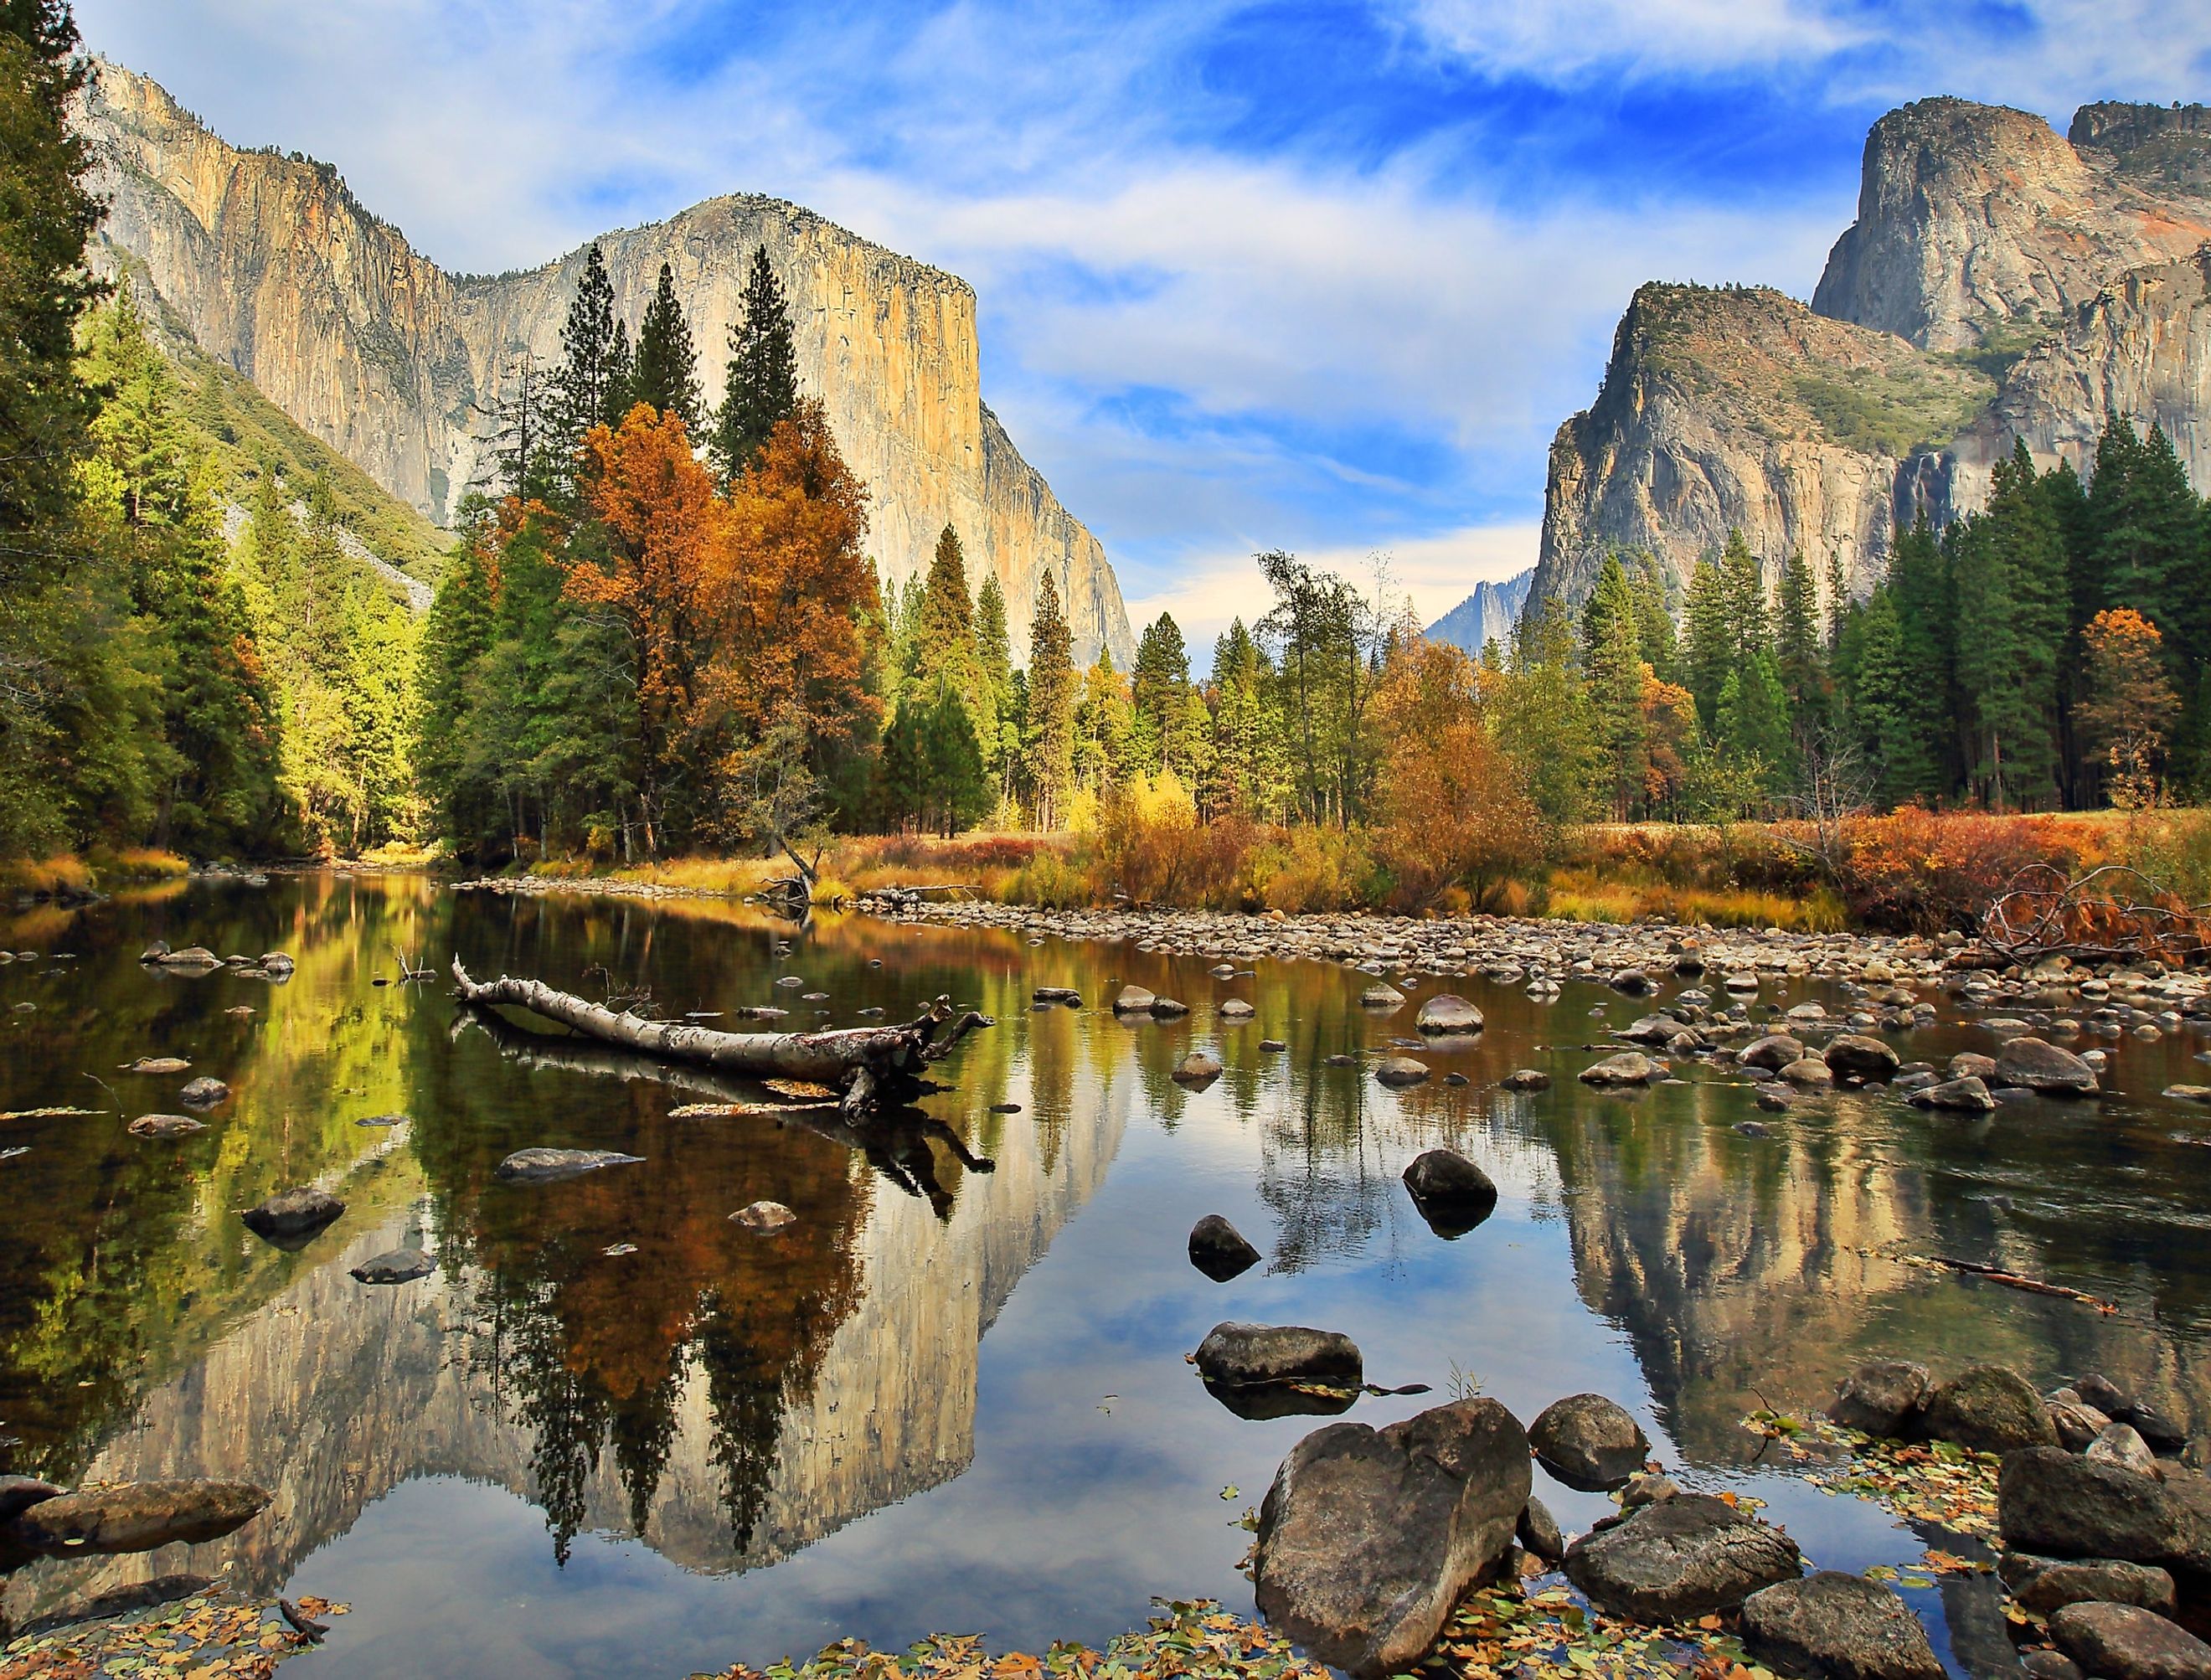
1324	276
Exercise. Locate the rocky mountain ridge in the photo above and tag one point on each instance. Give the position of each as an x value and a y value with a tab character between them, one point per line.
277	271
1488	615
2001	282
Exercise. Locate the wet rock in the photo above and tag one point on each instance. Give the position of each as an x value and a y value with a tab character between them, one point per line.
1881	1398
1589	1442
1633	981
1808	1074
1381	998
1537	1531
158	955
1401	1070
1773	1052
395	1265
1273	1045
2035	1065
2049	1665
1454	1077
1132	1000
1199	1067
1990	1409
763	1218
1235	1009
541	1166
1646	1488
2127	1643
1340	1060
1753	1128
1866	1057
1168	1009
1831	1626
165	1125
1654	1029
18	1493
277	962
382	1120
1967	1095
2046	1585
1059	994
1971	1064
290	1219
1252	1355
2054	1503
1686	1556
1525	1079
2121	1445
1452	1193
1367	1537
204	1093
1447	1012
1219	1249
156	1064
2077	1425
137	1516
1630	1067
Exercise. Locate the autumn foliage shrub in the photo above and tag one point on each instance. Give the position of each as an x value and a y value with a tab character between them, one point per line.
1920	871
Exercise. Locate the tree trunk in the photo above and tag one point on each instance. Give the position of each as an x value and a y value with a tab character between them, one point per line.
869	1066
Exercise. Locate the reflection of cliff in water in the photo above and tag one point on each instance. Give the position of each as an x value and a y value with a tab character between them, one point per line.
730	1398
1741	1265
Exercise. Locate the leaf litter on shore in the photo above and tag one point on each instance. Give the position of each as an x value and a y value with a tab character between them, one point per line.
213	1635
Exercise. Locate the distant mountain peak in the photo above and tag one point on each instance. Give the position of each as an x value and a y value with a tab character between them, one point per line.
1491	614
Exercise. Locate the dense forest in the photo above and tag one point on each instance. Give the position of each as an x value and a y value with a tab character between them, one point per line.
658	631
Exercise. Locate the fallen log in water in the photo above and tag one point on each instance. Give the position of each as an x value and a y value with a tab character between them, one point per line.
869	1066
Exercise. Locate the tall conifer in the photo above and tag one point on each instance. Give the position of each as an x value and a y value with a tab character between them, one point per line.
761	386
666	375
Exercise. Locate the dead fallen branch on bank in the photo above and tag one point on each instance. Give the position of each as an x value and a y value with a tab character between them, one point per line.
868	1066
2114	913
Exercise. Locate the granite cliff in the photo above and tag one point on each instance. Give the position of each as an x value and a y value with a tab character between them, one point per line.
1490	614
275	268
2001	283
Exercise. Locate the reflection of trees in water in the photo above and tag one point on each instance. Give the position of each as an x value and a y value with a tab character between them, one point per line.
1320	1172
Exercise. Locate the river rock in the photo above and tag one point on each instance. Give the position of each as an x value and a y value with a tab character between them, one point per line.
1990	1409
204	1093
2077	1423
1235	1009
2122	1445
1525	1079
1401	1070
291	1218
157	1065
2035	1065
1169	1009
1866	1057
2046	1585
2058	1504
1132	1000
1381	998
1445	1179
277	962
1686	1556
1831	1626
2044	1664
1773	1052
1881	1398
1633	981
1630	1067
764	1218
1588	1441
1447	1012
165	1125
1248	1356
2127	1643
541	1165
1808	1074
1971	1064
1367	1537
1538	1532
1199	1067
1967	1095
1058	994
1219	1249
137	1516
18	1493
395	1265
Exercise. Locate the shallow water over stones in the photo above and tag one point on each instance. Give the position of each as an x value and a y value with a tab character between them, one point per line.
616	1431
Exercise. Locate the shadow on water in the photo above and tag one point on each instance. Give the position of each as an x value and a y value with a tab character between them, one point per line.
616	1431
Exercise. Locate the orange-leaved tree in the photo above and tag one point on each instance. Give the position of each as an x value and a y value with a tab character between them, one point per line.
657	520
1454	808
2131	704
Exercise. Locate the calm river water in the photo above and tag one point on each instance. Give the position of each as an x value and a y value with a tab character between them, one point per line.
616	1433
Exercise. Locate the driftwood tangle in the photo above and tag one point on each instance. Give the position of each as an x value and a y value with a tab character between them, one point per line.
869	1066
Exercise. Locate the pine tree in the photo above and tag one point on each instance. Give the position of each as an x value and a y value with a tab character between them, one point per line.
1708	640
1923	759
1160	680
1613	666
760	386
994	650
2012	595
958	793
1871	677
1542	716
1051	742
1800	651
621	376
666	373
583	386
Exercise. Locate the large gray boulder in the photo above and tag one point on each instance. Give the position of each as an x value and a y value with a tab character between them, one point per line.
1990	1409
1773	1053
1685	1556
1865	1057
541	1166
2126	1642
2035	1065
2060	1504
1448	1013
1966	1095
1449	1189
1831	1626
291	1218
1589	1442
1881	1398
1245	1356
1134	1000
137	1516
1367	1537
1219	1249
2047	1585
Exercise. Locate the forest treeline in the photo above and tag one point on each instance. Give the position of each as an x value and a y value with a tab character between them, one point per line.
659	631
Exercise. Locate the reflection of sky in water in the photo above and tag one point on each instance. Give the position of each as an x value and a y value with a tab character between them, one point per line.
901	1481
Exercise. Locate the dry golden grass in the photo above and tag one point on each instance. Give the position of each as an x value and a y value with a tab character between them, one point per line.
41	876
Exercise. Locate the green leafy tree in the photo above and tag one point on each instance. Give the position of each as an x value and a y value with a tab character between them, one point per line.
1541	716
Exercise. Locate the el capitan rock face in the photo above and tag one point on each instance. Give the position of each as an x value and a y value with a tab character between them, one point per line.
2001	283
274	268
